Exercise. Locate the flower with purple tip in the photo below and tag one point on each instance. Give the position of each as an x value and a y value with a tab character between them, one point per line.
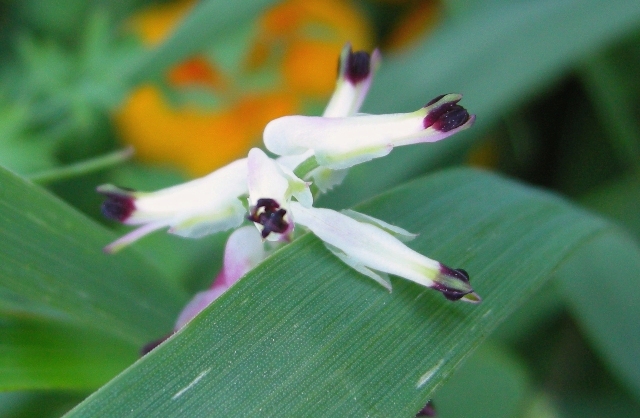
193	209
343	142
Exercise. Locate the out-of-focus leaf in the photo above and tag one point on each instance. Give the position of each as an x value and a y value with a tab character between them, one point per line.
208	20
44	354
610	406
542	307
497	57
302	334
36	404
618	200
51	264
493	383
608	87
600	284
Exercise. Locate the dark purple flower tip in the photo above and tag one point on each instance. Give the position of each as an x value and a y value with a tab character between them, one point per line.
428	411
447	116
153	344
120	203
267	212
453	283
355	66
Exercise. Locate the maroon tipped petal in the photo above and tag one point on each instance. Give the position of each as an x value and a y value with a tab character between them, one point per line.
358	66
447	116
450	292
117	206
267	212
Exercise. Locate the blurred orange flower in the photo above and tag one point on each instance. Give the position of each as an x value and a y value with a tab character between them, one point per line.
297	42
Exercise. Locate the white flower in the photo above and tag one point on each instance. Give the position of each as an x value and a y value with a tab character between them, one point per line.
372	247
193	209
271	188
356	70
342	142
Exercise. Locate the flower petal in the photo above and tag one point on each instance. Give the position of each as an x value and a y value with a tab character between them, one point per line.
381	278
356	71
342	142
244	250
400	233
193	209
365	244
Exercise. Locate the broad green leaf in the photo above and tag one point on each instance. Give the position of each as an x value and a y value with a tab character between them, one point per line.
601	287
52	264
45	354
497	56
304	335
208	20
492	383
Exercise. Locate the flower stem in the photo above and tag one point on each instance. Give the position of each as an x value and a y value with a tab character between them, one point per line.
306	167
83	167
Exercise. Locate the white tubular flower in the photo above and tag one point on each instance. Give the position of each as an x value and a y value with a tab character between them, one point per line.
244	251
355	73
271	187
339	143
371	247
194	209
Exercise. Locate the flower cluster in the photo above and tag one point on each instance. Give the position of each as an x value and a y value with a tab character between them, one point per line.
276	194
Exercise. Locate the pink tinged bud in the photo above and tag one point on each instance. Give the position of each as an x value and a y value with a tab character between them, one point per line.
244	250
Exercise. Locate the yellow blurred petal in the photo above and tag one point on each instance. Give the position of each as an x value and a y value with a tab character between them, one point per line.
195	139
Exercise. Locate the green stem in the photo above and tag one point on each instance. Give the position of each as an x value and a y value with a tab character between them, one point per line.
306	167
83	167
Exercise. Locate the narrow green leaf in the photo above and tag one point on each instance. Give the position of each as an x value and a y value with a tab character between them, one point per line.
304	335
208	20
52	264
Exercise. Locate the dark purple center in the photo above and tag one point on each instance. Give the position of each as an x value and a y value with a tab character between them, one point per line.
448	292
267	212
358	66
118	207
448	116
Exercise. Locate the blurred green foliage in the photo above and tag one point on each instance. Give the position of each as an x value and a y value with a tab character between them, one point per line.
554	85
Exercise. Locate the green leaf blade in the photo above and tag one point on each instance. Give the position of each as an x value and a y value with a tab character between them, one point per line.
52	264
304	335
